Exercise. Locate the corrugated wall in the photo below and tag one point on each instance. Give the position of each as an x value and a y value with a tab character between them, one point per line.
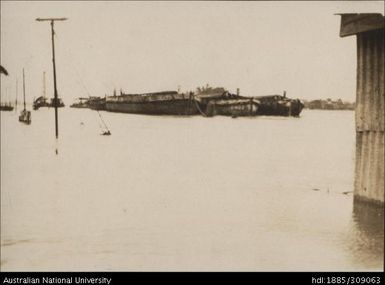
370	117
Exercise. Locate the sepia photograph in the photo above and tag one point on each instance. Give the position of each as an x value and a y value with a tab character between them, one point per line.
191	136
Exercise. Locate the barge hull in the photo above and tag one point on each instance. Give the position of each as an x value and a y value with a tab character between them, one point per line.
232	108
177	107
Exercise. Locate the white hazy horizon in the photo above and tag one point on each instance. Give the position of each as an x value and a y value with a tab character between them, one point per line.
260	47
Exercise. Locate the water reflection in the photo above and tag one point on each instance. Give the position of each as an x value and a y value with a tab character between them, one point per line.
367	245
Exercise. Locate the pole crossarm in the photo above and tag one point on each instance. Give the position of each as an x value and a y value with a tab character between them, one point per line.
51	19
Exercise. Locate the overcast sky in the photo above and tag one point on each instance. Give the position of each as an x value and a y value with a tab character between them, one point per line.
259	47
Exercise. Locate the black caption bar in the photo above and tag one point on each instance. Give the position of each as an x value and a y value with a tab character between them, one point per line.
115	278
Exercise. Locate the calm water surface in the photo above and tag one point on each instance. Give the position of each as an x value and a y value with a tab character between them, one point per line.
183	193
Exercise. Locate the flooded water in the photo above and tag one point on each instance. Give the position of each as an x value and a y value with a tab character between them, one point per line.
183	193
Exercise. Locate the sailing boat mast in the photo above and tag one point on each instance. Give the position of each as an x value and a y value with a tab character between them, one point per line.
25	116
44	85
17	91
24	89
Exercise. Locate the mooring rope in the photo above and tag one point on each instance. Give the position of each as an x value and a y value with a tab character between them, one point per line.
105	125
72	61
199	109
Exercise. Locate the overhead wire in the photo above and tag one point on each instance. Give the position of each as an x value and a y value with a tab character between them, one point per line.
82	84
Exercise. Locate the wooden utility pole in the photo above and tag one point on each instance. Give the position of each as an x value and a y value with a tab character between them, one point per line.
56	100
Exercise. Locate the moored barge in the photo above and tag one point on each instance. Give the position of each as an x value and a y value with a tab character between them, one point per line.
233	107
158	103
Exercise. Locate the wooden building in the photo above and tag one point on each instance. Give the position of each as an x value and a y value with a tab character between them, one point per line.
370	104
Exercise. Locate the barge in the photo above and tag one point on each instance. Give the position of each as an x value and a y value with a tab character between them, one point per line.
92	102
206	102
158	103
278	105
44	102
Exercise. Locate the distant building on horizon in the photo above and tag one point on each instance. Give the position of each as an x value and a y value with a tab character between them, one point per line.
329	104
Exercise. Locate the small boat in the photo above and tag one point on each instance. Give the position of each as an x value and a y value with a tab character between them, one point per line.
81	102
43	101
25	115
92	102
6	107
59	103
40	102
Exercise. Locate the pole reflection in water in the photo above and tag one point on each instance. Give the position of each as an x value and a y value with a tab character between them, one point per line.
367	245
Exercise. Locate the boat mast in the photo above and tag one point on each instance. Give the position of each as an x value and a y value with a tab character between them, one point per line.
17	91
24	88
44	87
